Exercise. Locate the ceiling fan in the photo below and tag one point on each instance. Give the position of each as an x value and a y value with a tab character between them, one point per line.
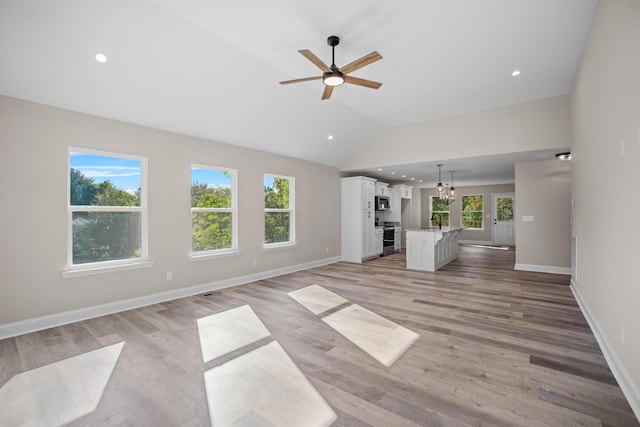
333	76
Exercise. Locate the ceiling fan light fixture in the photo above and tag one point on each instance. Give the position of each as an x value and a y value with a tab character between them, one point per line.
333	78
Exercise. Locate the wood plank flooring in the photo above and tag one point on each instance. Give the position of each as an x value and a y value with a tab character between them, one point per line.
497	347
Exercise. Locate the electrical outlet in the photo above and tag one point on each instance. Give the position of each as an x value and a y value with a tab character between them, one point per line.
326	250
169	275
255	262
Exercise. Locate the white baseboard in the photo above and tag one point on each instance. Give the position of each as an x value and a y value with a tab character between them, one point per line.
543	268
629	388
476	242
39	323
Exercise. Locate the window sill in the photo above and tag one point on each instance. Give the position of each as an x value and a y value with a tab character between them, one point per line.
279	246
207	256
68	274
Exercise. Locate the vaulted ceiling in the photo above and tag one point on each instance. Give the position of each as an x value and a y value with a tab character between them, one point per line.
211	68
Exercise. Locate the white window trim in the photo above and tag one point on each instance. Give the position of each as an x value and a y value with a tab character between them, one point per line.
431	211
218	253
291	210
462	212
89	268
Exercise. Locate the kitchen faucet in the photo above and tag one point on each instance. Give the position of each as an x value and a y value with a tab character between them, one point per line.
439	219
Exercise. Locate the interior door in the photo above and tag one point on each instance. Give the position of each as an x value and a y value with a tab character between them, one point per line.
504	227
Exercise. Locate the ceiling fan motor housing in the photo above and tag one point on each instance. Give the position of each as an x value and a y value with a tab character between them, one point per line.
333	41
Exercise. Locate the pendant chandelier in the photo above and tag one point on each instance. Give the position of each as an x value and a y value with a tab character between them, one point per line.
445	193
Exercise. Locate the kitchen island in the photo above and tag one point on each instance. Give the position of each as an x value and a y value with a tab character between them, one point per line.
431	248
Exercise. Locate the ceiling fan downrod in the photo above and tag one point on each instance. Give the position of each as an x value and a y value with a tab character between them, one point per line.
333	41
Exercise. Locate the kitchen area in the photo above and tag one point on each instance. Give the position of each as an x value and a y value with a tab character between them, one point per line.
374	217
377	221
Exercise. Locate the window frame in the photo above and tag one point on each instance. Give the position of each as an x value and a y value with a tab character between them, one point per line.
290	210
72	269
431	211
462	211
233	210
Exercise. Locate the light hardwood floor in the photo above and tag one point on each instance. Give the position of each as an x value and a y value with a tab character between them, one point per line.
496	347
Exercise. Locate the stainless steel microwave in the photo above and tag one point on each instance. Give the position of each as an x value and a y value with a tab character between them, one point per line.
382	203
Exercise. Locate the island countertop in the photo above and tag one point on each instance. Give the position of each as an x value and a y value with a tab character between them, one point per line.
434	229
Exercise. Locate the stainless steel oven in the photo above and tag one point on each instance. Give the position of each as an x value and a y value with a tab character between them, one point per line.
388	243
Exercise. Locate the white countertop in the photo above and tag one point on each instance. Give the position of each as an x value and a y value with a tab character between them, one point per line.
435	229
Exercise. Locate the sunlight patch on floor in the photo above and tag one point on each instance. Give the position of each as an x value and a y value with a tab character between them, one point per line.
379	337
264	387
317	299
228	331
58	393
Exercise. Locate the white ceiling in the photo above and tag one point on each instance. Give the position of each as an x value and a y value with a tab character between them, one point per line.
211	68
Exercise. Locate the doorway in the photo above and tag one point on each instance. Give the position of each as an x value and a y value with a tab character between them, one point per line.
504	227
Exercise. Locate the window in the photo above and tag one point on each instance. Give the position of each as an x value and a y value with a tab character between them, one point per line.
213	209
107	209
472	211
279	218
504	209
438	206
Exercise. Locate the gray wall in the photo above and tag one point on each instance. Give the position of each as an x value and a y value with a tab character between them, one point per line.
606	177
531	126
543	192
34	140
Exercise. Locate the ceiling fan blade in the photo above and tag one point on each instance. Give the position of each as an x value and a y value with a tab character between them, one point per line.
305	79
359	63
362	82
317	61
328	90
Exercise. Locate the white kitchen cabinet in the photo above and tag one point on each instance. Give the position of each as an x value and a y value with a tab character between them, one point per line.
358	218
397	238
382	189
368	196
368	234
379	240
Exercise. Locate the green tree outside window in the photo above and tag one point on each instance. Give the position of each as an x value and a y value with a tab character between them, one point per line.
212	209
472	211
106	221
438	206
278	209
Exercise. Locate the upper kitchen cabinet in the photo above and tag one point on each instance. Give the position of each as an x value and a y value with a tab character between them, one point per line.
382	189
367	186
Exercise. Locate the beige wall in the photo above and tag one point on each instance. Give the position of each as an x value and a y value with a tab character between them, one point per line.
455	210
606	179
34	140
531	126
543	191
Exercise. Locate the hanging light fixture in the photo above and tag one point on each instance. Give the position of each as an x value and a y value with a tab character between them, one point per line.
446	194
439	187
451	194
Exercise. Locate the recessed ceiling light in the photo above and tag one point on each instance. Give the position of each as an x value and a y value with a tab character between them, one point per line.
413	179
404	176
379	169
101	58
330	137
515	73
393	173
419	180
